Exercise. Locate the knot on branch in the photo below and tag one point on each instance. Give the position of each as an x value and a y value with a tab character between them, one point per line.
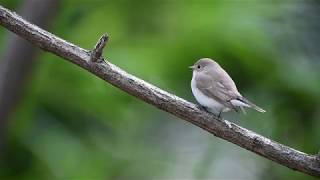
98	49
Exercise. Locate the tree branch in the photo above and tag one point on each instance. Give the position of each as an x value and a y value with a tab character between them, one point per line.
98	49
161	99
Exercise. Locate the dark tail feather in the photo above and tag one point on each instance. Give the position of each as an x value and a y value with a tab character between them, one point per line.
253	106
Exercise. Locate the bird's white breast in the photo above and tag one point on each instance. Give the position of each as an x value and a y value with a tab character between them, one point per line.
204	100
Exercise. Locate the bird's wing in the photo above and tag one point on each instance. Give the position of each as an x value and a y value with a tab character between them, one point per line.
217	89
225	82
219	86
227	86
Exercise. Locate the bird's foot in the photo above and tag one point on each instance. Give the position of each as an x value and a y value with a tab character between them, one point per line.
215	116
228	124
225	121
208	111
204	108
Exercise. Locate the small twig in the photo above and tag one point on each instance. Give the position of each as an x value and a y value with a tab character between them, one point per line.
98	49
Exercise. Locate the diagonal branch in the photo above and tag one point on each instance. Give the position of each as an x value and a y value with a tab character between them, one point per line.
161	99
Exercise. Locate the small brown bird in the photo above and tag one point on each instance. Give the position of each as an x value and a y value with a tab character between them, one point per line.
214	89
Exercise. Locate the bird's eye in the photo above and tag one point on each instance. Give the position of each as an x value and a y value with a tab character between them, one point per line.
198	66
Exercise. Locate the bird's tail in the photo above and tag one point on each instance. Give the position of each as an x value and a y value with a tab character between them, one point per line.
247	103
251	105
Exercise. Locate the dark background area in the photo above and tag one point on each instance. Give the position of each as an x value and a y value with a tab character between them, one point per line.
59	121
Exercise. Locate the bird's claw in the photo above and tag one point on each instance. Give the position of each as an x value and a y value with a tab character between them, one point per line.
228	124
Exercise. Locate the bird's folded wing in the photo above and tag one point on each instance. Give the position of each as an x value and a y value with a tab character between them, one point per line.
216	90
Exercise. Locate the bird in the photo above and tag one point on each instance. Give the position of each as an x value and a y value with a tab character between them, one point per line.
215	90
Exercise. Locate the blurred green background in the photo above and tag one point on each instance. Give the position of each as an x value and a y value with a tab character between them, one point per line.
68	124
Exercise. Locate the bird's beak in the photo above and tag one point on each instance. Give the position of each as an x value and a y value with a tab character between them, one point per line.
191	67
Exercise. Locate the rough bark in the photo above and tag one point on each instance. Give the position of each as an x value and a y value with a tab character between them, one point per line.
161	99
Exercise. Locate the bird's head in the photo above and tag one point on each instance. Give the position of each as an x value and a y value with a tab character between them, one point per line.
203	64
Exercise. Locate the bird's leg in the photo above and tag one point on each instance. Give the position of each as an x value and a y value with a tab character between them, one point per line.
219	115
225	121
207	110
204	108
215	115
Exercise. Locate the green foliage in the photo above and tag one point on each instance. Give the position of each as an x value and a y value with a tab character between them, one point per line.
72	125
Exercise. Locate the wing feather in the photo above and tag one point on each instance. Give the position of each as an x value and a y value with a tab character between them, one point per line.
216	89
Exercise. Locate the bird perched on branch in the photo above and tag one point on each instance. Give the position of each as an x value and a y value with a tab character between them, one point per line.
214	89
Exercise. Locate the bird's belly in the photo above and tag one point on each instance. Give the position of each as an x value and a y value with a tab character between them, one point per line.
206	101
